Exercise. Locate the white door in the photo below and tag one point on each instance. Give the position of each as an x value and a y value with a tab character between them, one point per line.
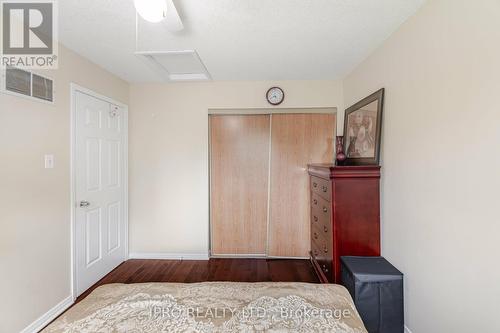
100	178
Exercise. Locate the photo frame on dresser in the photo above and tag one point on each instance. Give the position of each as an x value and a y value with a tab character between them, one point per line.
362	130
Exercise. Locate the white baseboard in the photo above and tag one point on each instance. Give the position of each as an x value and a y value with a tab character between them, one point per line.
169	256
200	256
50	315
407	330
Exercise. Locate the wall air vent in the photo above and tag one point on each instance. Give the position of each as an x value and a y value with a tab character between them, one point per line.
41	88
18	81
176	65
24	83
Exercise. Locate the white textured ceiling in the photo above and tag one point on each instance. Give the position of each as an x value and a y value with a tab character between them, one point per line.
238	39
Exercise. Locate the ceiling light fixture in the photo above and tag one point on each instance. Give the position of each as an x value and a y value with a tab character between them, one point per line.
151	10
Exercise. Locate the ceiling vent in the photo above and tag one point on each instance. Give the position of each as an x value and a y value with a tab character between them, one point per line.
177	65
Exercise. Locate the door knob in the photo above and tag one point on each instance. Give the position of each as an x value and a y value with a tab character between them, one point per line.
84	203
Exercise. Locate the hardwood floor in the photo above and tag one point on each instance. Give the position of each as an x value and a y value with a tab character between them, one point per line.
187	271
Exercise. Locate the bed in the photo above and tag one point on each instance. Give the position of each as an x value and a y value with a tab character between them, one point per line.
213	307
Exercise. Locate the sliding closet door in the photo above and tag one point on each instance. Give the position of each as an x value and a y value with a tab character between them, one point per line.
239	183
297	140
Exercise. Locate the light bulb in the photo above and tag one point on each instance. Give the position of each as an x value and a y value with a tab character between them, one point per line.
151	10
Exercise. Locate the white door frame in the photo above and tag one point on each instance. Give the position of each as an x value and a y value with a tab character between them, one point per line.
74	88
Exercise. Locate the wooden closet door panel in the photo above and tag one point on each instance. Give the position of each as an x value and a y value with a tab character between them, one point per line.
239	183
297	140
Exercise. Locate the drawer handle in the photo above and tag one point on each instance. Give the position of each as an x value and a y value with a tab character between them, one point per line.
325	188
315	201
325	269
325	248
325	209
315	219
315	236
325	229
315	184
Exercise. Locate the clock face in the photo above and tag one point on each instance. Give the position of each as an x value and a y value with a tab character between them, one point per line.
275	95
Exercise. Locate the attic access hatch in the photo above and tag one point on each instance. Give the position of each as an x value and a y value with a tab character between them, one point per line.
176	65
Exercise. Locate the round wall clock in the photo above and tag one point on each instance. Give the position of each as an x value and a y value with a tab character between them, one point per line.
275	95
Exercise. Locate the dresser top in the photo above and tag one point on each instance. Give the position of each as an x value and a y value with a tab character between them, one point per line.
329	170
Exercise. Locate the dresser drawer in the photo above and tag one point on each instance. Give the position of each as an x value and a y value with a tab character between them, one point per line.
321	186
320	222
322	253
320	210
321	231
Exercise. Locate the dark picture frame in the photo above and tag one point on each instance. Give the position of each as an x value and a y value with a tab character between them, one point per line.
363	130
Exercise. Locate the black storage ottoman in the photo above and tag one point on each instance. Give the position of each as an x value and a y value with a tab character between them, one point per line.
377	289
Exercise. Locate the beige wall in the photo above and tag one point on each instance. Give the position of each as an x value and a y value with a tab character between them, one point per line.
35	202
169	154
440	182
441	161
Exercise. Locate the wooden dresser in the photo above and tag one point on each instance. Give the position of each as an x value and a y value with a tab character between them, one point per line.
345	215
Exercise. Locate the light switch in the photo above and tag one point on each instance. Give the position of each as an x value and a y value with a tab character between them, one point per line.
49	161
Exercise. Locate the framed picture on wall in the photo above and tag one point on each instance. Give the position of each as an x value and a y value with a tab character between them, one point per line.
362	130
